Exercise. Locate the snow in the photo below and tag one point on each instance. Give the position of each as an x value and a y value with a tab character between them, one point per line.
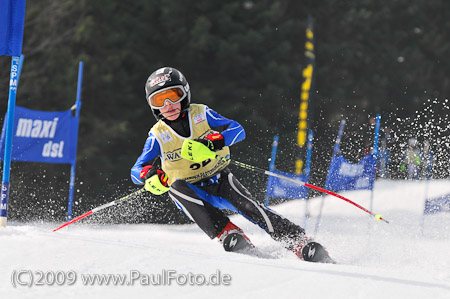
407	258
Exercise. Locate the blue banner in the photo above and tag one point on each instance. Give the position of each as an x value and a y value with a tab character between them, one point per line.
343	175
12	17
279	188
41	136
437	205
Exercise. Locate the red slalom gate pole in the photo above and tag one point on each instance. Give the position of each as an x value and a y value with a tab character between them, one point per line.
106	205
256	169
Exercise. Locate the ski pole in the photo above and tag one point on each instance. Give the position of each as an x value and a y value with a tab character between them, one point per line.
266	172
106	205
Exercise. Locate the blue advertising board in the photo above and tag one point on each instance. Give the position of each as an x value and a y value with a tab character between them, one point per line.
42	136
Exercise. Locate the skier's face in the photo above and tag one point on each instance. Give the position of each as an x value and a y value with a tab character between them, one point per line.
171	111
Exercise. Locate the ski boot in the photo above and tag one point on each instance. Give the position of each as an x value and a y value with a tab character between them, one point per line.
311	251
234	239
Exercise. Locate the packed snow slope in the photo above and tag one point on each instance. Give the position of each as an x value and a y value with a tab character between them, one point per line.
408	258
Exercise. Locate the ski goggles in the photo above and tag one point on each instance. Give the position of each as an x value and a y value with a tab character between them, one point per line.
173	94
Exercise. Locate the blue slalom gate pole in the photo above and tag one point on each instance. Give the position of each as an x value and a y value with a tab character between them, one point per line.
377	131
73	164
308	154
335	151
272	165
308	171
16	67
375	155
338	138
427	185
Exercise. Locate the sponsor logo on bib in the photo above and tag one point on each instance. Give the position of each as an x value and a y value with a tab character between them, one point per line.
199	118
165	136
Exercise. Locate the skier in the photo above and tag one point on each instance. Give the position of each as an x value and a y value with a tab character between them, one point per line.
412	160
202	190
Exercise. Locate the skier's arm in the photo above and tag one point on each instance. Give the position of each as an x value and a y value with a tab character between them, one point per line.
234	131
149	153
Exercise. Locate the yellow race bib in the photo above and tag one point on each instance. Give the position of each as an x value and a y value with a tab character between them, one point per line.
170	144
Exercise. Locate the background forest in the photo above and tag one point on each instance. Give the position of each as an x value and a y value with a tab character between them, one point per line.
244	59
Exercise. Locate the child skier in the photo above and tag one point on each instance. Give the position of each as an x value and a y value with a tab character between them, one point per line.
202	189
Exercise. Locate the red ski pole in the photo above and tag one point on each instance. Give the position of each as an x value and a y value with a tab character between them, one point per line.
106	205
256	169
377	216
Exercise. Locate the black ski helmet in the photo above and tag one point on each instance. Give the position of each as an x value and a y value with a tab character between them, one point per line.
163	78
